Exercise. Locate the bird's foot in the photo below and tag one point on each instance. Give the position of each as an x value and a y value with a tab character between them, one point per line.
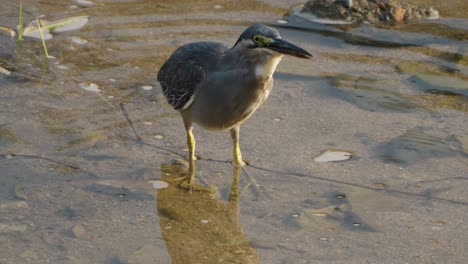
241	163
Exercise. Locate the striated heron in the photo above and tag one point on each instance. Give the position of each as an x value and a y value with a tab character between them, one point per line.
219	87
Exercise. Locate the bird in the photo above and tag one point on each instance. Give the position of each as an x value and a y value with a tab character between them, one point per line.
219	87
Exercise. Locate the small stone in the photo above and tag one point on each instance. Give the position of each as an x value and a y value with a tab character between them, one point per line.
295	215
90	87
204	221
78	40
14	205
399	14
356	224
159	184
146	87
324	238
277	119
62	67
148	123
333	155
340	196
19	192
4	71
158	136
78	231
84	3
282	21
217	6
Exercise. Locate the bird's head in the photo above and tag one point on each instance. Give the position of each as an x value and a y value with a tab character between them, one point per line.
263	37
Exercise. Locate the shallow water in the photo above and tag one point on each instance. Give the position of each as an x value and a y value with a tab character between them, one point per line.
74	173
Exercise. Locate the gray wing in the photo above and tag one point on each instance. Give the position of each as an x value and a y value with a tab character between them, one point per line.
186	68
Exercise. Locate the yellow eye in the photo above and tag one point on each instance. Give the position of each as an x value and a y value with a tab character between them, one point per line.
257	39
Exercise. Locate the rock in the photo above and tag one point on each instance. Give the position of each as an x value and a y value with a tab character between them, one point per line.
89	86
78	231
19	191
399	14
368	11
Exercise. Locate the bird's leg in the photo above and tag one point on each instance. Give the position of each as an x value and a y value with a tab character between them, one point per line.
190	177
239	162
236	152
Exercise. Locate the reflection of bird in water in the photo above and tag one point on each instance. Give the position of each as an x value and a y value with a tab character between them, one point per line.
200	228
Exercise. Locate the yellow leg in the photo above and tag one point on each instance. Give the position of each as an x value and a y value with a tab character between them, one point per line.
191	147
236	152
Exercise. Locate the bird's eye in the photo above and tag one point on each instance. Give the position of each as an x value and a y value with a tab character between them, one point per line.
256	39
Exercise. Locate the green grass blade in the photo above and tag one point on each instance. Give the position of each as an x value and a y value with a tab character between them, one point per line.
20	30
42	39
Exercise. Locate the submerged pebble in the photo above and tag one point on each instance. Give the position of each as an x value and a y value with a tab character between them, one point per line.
159	184
146	87
78	231
158	136
84	3
90	87
333	155
4	71
78	40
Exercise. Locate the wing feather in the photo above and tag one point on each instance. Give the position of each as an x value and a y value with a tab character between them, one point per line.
185	69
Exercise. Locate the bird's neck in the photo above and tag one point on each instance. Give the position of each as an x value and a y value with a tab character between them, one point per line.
265	69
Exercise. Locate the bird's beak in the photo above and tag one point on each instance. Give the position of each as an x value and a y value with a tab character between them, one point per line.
287	48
